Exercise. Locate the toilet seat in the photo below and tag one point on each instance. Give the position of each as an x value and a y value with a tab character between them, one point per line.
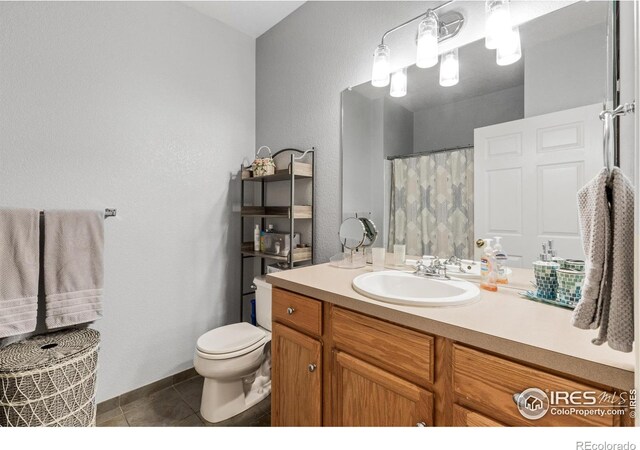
230	341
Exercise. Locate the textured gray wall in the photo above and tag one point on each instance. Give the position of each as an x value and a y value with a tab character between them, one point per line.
565	73
146	107
308	59
452	124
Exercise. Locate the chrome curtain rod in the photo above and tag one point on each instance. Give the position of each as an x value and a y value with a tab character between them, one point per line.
404	24
427	152
108	212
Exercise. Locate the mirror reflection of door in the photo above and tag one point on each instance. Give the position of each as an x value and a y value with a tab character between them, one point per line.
502	153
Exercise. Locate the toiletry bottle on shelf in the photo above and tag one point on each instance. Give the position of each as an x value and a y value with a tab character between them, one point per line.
501	262
256	239
262	241
488	268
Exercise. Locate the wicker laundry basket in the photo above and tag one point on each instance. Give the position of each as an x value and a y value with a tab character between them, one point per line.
50	380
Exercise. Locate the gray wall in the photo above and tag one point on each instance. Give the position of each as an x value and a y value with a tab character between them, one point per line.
358	144
398	129
308	59
565	73
452	124
147	108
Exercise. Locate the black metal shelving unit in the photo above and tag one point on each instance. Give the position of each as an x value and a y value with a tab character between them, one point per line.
297	171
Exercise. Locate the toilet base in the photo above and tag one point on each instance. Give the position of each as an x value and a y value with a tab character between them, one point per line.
222	400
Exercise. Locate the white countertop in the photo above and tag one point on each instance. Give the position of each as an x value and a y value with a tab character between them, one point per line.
499	321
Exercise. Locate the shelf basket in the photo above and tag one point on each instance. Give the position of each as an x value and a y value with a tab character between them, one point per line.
50	380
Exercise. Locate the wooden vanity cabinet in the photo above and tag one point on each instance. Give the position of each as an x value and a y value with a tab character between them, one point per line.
335	367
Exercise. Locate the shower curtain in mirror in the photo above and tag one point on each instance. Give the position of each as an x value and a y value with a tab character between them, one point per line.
431	207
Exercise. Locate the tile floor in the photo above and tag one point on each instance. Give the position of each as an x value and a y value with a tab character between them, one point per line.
179	406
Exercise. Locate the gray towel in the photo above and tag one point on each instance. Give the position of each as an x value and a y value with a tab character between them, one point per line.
19	270
612	310
593	215
73	266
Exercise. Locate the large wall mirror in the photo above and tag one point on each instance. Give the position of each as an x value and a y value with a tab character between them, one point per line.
501	153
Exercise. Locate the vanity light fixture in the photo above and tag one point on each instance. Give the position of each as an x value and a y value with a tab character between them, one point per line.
381	66
435	28
432	30
449	68
510	50
427	53
399	83
498	27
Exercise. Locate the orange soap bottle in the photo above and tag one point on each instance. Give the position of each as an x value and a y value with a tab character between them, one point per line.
488	268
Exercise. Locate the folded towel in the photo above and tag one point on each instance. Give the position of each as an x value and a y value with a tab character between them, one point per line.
593	217
606	223
616	327
19	270
73	266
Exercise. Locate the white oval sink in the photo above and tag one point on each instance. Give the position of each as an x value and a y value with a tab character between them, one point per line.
409	289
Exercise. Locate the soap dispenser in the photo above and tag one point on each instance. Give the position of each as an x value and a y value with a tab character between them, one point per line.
501	262
488	268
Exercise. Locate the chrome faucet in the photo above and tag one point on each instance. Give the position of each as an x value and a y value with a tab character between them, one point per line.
436	269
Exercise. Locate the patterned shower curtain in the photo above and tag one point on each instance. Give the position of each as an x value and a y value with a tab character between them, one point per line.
431	209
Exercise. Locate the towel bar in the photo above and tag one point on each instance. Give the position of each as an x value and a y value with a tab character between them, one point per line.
108	212
608	140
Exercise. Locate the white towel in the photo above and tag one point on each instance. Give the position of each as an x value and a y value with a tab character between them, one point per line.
612	310
19	270
73	267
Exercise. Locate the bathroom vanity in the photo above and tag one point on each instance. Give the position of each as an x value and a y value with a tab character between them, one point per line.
342	359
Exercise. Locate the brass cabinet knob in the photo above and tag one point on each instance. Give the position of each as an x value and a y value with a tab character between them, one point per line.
290	310
312	367
480	243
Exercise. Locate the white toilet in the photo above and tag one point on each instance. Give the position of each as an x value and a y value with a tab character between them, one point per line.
235	361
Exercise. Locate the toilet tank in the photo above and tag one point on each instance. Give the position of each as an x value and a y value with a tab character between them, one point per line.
263	302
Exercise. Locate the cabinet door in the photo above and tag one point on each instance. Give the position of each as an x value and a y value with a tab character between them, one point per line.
296	395
369	396
463	417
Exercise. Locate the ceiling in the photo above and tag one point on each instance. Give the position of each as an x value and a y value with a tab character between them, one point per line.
249	17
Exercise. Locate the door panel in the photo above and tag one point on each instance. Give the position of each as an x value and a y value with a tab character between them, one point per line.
369	396
527	174
296	378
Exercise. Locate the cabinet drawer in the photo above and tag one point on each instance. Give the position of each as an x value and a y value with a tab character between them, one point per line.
463	417
488	383
398	350
298	311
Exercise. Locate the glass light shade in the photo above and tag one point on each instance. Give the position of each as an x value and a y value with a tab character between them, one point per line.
510	51
427	54
449	68
399	83
381	66
497	23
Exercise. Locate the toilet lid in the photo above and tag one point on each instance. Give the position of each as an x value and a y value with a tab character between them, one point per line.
229	338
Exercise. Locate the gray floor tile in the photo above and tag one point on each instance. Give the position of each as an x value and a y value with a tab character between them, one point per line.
117	421
191	392
192	421
264	421
164	408
108	415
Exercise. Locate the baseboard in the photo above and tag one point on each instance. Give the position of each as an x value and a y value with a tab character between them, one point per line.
146	390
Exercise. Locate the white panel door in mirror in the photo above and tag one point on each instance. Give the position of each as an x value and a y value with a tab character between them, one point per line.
504	195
